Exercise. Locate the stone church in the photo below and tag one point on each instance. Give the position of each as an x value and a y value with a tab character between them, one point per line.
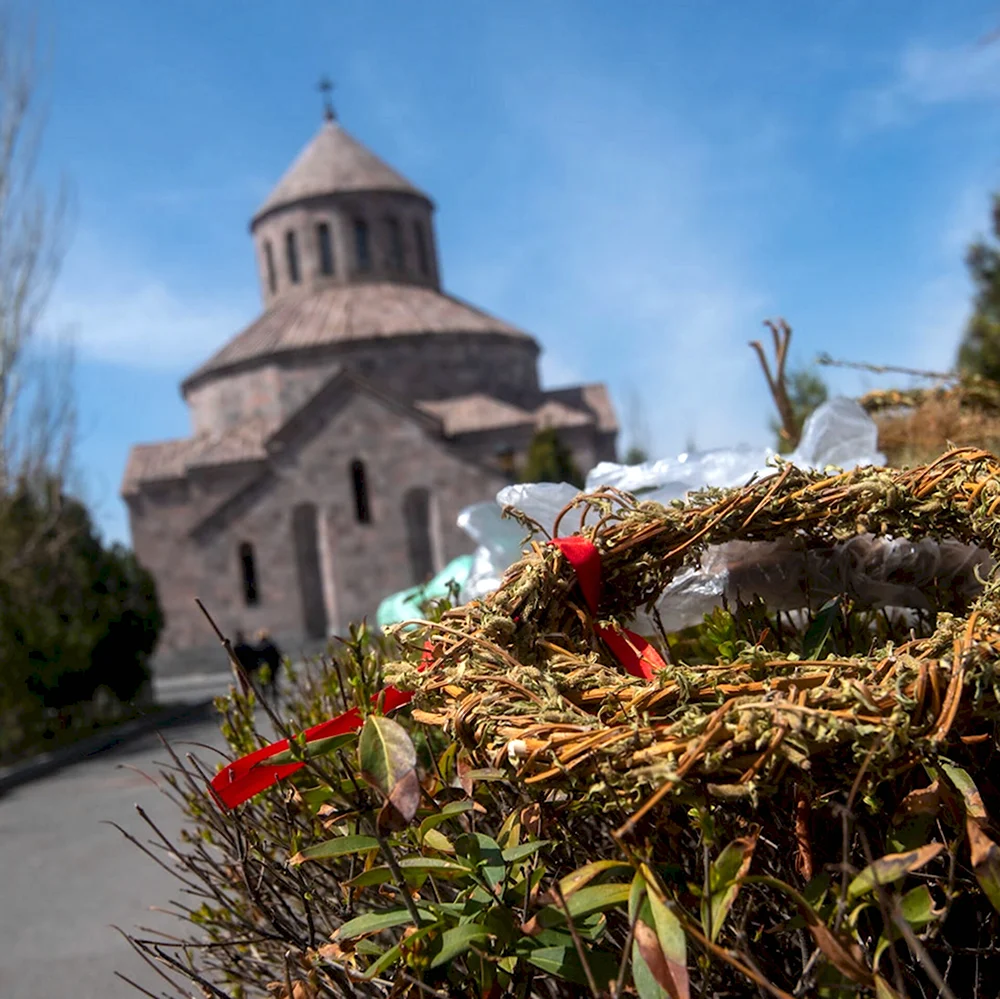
335	439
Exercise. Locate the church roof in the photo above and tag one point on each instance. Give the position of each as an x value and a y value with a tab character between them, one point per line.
469	414
334	162
342	313
167	460
593	396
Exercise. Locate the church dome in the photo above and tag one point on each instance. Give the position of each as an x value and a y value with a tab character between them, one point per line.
341	216
349	276
334	162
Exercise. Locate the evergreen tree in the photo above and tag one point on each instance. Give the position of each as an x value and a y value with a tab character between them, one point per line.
635	456
549	460
979	352
74	615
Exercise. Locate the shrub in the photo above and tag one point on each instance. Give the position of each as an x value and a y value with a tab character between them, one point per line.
74	616
763	820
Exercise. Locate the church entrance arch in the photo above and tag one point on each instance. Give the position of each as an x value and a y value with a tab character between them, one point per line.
305	537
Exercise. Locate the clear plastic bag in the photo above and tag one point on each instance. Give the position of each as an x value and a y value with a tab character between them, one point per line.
838	433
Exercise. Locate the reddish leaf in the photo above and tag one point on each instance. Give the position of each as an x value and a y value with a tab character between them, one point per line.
649	949
985	856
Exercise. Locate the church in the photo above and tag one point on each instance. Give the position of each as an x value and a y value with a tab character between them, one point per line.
335	439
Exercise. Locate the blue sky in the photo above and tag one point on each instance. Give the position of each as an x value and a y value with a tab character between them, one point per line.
639	184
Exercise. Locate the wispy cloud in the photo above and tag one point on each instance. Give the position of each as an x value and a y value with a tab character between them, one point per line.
926	76
629	273
117	310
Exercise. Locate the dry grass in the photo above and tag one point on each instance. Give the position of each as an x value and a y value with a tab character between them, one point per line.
917	426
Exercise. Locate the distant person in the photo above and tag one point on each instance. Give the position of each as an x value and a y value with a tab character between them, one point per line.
269	655
246	654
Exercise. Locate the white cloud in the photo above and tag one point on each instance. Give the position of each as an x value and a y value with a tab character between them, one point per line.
926	76
117	310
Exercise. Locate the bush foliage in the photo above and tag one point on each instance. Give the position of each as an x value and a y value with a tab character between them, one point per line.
550	460
393	864
75	616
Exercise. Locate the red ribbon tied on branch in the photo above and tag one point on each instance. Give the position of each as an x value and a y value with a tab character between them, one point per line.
251	774
633	651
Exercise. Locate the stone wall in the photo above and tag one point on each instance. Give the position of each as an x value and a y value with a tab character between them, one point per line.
362	562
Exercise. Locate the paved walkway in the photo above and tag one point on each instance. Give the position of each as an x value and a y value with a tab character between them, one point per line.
65	877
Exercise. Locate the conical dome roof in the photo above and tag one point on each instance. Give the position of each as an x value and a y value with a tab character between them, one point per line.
334	162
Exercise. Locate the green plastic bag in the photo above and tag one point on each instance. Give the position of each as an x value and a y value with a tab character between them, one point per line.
406	604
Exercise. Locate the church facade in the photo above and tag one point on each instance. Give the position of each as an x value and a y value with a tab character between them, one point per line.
335	439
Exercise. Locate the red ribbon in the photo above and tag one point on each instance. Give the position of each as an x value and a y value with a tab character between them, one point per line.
249	775
633	651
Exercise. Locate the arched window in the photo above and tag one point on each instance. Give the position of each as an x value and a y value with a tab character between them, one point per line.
325	248
423	256
417	518
249	570
395	244
292	253
272	277
361	508
361	248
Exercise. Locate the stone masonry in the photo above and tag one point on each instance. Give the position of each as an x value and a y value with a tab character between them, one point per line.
335	440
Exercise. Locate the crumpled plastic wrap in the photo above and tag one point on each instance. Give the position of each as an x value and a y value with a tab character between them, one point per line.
875	572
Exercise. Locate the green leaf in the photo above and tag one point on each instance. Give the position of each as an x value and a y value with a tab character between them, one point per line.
375	876
449	811
515	853
596	898
636	896
434	865
320	747
984	853
412	869
372	922
584	875
457	941
917	908
818	632
389	958
883	990
342	846
388	762
436	840
723	882
966	786
564	962
891	868
485	854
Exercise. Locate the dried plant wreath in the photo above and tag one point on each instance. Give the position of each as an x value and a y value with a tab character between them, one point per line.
523	677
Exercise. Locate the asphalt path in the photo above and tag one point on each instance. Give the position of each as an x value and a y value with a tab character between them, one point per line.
66	877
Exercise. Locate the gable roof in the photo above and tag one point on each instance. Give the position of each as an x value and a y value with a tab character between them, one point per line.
249	441
334	162
336	390
346	313
468	414
593	398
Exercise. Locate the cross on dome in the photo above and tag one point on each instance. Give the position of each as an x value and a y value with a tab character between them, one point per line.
325	87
